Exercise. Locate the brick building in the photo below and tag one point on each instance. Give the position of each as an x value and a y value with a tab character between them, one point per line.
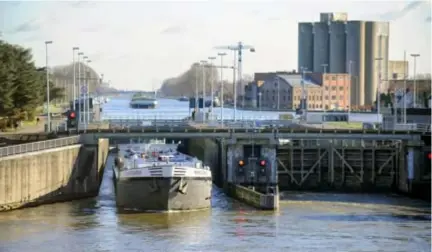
284	91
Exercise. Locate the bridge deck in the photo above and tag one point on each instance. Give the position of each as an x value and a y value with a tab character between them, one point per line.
266	133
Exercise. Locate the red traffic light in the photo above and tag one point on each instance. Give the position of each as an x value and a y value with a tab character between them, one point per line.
72	115
429	156
262	163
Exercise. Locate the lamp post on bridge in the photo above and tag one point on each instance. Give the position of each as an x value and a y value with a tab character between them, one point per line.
415	55
47	85
212	81
238	49
74	76
221	55
203	64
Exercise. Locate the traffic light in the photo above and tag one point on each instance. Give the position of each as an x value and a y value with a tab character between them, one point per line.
241	164
262	163
72	119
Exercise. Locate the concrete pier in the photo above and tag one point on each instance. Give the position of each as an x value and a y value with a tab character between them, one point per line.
52	174
223	155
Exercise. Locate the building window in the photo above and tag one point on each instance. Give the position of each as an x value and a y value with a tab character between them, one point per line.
333	88
341	77
333	97
326	88
341	88
326	97
333	78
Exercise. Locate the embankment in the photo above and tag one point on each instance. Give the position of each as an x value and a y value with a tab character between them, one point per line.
52	175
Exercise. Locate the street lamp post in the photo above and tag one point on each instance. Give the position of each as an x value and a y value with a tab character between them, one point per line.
79	88
74	76
303	105
212	81
84	86
88	91
221	55
405	89
259	99
349	88
415	55
324	75
378	103
203	63
235	85
237	49
47	85
196	89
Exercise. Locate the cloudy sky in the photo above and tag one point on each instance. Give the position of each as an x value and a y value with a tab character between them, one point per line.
138	44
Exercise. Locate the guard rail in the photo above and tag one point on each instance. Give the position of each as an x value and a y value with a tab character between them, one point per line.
170	116
37	146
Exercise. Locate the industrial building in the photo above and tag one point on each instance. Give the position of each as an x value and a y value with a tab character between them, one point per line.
284	91
337	45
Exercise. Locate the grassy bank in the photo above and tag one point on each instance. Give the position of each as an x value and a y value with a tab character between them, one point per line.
345	125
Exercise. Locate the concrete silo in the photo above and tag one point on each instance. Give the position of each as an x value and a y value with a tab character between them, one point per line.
376	47
355	53
321	46
337	63
305	46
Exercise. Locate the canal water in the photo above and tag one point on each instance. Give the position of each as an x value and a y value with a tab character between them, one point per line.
305	222
118	108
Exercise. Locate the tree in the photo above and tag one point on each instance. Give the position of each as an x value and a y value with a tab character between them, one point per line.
27	95
7	79
55	92
21	84
186	83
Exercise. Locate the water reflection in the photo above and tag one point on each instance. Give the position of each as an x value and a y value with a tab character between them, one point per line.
150	221
305	222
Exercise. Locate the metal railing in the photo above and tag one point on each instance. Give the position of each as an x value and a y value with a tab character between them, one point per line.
37	146
168	116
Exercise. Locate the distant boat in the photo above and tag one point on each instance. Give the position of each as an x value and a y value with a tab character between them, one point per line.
183	99
143	101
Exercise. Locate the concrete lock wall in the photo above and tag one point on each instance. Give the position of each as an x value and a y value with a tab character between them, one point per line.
207	150
51	175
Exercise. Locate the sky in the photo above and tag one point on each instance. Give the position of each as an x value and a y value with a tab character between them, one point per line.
136	45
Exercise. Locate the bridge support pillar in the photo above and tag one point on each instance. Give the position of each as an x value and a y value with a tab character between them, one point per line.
414	179
252	172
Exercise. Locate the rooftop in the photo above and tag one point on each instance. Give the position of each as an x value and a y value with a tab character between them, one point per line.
296	80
